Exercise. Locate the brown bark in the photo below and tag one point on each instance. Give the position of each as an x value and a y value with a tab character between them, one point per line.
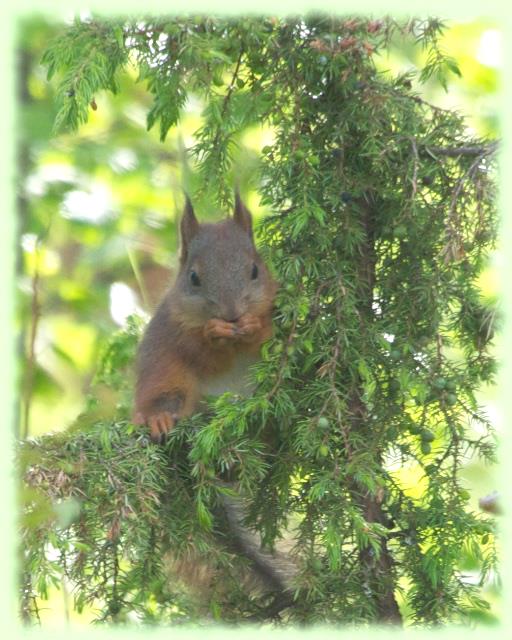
379	567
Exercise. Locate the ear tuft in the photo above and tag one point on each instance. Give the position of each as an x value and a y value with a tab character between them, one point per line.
242	215
189	226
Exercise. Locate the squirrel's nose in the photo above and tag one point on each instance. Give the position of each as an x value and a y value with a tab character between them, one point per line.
232	312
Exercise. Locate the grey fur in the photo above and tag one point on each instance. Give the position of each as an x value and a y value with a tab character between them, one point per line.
222	256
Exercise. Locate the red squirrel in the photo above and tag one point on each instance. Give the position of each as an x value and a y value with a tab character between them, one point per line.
209	326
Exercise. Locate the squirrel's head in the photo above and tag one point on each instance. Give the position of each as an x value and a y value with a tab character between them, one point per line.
221	273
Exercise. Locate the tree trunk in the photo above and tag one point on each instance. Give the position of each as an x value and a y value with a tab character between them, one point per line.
381	579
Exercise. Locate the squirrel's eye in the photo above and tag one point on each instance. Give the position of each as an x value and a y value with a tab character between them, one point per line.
254	272
194	279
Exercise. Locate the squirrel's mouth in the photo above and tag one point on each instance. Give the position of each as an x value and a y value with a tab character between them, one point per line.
231	319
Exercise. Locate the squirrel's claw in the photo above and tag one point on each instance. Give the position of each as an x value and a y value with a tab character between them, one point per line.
160	424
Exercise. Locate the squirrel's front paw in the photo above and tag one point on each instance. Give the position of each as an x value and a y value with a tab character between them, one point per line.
248	327
159	423
216	330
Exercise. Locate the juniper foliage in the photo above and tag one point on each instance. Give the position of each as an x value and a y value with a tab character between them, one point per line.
383	217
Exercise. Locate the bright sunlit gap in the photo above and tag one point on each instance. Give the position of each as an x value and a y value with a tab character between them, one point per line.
490	48
95	205
123	303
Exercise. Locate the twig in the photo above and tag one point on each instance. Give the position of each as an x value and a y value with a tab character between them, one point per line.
469	150
418	100
284	359
453	248
330	368
289	341
227	97
416	165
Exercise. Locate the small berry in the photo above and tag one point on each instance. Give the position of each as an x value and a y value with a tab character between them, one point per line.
323	423
394	385
425	448
451	399
323	450
427	435
440	383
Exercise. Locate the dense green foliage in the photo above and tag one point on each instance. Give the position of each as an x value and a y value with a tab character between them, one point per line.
383	219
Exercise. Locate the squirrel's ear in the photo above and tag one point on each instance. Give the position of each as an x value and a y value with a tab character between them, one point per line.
242	215
188	228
